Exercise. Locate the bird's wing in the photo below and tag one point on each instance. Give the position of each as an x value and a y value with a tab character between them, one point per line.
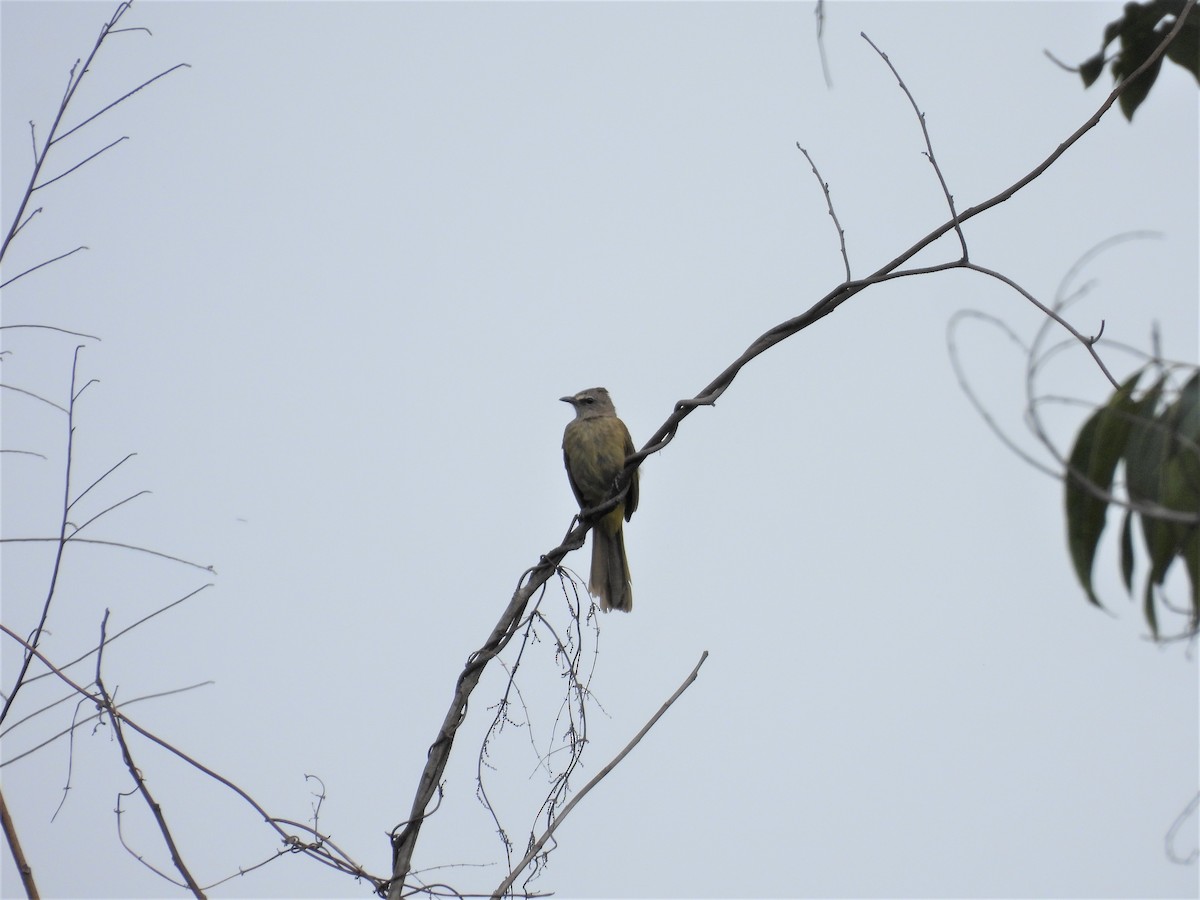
631	499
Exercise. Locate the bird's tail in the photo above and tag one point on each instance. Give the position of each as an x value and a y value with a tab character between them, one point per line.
610	569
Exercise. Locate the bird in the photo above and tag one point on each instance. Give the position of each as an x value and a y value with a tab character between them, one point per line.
595	446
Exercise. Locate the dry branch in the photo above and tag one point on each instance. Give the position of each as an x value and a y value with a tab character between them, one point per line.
616	761
14	843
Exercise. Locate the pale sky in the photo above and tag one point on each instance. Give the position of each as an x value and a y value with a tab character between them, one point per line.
342	270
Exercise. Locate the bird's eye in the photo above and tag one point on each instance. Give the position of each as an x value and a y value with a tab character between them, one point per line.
589	399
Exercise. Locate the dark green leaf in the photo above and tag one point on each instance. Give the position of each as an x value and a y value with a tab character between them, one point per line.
1144	453
1180	483
1127	550
1182	424
1185	49
1090	69
1185	413
1112	31
1085	512
1191	559
1149	610
1141	31
1138	89
1159	470
1098	448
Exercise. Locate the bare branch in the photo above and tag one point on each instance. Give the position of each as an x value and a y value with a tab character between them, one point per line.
28	218
123	631
14	844
829	205
9	387
928	144
105	511
965	384
78	334
1088	342
1172	833
47	262
78	165
118	544
123	97
83	493
61	544
24	453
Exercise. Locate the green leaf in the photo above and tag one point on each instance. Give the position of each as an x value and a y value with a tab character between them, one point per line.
1180	483
1127	550
1149	610
1141	31
1185	418
1093	460
1091	68
1144	463
1112	31
1191	559
1143	455
1181	422
1138	89
1185	49
1162	468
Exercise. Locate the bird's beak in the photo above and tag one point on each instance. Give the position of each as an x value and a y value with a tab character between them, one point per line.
567	399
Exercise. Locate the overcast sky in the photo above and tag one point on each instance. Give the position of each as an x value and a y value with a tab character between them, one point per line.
340	273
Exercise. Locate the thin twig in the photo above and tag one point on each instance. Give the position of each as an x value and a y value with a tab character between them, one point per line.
28	218
928	144
78	334
78	165
119	545
123	97
616	760
123	631
4	284
964	382
113	468
1188	812
829	205
1088	342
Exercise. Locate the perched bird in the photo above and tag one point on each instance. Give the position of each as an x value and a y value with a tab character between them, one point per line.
595	445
